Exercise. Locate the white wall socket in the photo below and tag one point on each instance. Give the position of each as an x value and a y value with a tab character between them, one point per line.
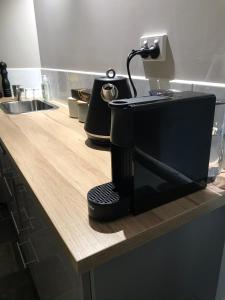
162	41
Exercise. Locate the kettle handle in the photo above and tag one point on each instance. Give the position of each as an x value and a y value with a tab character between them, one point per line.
110	73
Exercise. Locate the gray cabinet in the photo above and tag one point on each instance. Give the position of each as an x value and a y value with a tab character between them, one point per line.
6	174
46	255
41	249
181	265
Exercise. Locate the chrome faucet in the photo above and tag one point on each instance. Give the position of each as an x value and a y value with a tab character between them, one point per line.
19	91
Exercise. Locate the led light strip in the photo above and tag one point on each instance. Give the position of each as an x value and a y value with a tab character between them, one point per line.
75	72
91	73
203	83
23	69
179	81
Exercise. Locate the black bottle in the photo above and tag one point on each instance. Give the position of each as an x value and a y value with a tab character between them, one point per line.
5	82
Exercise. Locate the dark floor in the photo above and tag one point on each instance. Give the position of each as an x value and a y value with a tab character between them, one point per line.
15	281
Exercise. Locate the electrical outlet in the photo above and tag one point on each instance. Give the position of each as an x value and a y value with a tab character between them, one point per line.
150	40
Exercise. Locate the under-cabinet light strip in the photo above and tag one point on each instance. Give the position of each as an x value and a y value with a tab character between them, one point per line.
77	72
179	81
23	69
204	83
91	73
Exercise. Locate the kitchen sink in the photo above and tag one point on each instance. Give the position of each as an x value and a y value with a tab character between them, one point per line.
20	107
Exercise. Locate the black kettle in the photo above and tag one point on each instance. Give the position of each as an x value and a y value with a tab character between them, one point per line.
105	89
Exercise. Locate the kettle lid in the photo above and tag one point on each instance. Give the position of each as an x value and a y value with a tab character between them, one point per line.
111	76
110	73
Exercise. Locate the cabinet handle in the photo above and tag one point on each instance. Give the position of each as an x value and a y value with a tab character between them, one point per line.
14	222
26	263
10	173
30	226
26	214
28	218
21	255
21	188
8	187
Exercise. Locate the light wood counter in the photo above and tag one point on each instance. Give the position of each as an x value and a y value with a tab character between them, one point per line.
50	150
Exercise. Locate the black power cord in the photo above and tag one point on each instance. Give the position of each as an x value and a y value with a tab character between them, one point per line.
153	51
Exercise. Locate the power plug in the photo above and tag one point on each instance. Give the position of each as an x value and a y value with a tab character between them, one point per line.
152	51
148	41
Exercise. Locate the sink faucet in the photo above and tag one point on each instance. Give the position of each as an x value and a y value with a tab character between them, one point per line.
19	91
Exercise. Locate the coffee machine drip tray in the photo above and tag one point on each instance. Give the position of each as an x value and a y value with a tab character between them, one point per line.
104	203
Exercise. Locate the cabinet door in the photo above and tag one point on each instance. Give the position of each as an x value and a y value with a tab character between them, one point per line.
1	160
22	221
6	174
41	249
45	254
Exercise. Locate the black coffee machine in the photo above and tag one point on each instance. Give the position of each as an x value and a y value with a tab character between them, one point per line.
160	149
105	89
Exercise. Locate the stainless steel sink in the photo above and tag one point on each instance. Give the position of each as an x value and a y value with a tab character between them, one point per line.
20	107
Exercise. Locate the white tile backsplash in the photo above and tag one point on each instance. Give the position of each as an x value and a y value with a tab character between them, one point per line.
61	82
181	86
219	92
29	78
219	116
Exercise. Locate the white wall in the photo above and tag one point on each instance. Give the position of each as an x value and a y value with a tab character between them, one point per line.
97	34
18	34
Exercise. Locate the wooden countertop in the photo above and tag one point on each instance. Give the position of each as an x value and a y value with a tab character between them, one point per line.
50	150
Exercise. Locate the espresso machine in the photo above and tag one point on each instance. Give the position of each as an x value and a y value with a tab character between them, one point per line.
160	148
